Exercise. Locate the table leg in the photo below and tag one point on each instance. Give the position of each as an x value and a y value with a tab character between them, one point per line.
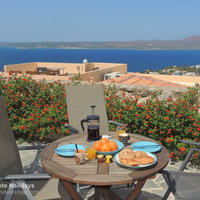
71	190
104	193
136	190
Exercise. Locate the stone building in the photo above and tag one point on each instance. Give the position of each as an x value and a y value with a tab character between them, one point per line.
85	71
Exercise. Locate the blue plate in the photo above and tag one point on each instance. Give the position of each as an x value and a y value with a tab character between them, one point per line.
70	148
146	146
117	160
120	147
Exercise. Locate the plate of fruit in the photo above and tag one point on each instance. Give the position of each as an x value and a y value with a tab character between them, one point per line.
105	146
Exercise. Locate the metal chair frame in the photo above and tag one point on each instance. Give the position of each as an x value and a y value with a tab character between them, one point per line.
17	179
172	183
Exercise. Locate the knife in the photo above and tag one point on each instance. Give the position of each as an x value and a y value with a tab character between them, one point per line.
146	147
65	150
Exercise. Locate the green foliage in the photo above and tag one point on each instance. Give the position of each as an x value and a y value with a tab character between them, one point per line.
183	69
36	109
165	121
192	95
77	77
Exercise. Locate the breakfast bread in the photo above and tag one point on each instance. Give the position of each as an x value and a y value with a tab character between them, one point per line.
134	158
125	154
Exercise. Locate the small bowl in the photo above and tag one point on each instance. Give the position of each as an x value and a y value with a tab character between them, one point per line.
120	147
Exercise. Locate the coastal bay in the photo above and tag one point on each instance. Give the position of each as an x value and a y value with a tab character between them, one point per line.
137	60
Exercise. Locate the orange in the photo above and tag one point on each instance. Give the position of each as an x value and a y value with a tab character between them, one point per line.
113	145
105	148
97	145
104	140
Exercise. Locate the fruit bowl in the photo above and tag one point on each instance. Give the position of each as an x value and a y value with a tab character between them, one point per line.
120	147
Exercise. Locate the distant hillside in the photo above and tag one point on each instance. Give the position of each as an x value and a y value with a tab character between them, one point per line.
192	42
192	38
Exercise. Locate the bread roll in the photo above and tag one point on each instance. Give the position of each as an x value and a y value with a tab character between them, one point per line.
133	158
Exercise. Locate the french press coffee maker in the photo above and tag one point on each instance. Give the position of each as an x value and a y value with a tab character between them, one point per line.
92	126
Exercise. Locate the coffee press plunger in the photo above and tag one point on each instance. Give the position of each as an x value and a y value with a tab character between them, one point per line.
92	126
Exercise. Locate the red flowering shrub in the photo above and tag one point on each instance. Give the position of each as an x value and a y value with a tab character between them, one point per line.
38	109
165	121
35	109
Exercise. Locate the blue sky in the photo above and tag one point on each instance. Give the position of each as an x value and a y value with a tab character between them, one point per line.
97	20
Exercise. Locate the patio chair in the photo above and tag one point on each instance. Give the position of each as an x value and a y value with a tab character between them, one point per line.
183	185
11	170
79	99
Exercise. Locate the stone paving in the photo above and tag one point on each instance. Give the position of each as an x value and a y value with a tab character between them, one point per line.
153	189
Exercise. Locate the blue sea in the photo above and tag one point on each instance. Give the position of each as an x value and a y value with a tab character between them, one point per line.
137	60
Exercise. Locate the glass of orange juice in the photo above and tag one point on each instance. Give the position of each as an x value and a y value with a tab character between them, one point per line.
91	152
119	130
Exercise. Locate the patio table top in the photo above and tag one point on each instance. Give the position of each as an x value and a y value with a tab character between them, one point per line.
65	168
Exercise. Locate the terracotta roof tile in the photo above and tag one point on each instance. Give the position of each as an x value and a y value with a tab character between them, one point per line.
133	79
183	80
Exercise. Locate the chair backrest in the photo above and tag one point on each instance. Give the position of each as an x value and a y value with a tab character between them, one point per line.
10	162
80	98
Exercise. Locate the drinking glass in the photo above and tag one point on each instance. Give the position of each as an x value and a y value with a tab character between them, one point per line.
91	152
124	137
80	157
119	130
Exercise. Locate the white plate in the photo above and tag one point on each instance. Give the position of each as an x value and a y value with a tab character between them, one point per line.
117	160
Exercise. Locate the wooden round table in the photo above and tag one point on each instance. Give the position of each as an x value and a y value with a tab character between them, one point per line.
65	169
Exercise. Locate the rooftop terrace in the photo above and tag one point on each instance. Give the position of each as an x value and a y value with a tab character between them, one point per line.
87	71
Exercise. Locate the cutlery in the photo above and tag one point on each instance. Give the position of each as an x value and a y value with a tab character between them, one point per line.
77	148
65	150
146	147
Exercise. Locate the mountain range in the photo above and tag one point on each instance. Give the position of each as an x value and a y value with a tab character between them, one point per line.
191	42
